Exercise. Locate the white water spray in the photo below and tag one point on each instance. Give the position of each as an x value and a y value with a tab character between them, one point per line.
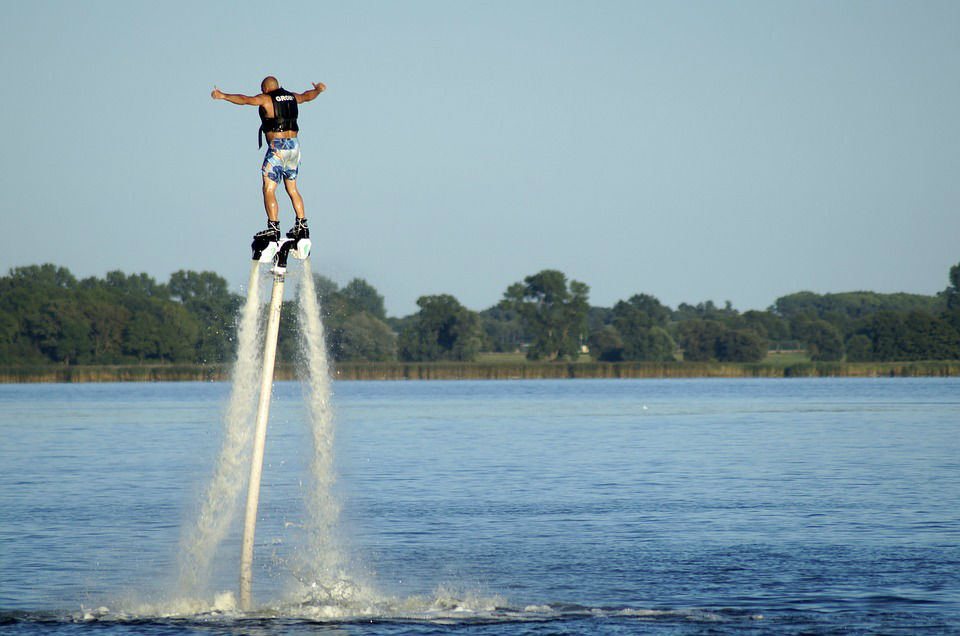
318	564
329	583
321	555
219	505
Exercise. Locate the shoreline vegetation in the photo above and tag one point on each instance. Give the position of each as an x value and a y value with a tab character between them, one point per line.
54	327
487	370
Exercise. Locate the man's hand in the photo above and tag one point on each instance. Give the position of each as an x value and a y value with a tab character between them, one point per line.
306	96
216	93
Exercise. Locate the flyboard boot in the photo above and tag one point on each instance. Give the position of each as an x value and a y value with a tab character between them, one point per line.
271	247
299	235
266	242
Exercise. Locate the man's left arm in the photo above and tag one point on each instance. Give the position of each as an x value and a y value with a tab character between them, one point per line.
310	95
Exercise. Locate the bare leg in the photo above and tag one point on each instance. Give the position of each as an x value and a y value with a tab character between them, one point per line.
270	199
295	198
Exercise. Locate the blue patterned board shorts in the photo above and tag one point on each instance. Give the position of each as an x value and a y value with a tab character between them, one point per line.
282	160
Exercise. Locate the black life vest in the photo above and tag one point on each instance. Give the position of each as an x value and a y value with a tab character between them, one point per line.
284	114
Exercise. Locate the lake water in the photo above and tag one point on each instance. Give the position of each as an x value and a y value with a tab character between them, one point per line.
517	507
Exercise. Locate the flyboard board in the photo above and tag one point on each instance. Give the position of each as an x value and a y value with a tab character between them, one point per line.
277	252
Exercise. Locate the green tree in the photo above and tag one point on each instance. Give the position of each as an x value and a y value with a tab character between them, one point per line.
288	340
354	321
362	296
503	329
928	337
9	331
699	339
552	312
632	323
916	335
859	348
46	276
135	286
444	330
141	337
107	321
206	296
658	313
161	331
365	337
766	324
25	295
705	311
952	293
117	319
206	287
9	326
597	317
642	334
951	298
884	330
326	290
823	341
658	346
606	344
178	333
741	345
845	310
61	331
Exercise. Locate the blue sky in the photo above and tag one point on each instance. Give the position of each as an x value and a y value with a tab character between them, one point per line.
733	151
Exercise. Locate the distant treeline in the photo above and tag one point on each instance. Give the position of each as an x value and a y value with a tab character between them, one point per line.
47	316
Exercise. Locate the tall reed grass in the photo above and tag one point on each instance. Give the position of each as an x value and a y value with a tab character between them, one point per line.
488	371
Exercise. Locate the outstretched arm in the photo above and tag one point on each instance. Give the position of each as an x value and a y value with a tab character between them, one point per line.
306	96
236	98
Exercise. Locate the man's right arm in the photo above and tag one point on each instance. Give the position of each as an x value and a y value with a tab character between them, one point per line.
240	100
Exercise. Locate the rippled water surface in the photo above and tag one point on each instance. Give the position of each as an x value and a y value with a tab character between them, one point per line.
570	507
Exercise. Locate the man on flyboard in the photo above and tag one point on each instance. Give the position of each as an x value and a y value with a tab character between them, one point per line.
278	117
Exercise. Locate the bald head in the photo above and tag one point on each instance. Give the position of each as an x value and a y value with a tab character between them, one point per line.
269	83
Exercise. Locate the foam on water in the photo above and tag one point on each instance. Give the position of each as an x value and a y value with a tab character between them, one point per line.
444	607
